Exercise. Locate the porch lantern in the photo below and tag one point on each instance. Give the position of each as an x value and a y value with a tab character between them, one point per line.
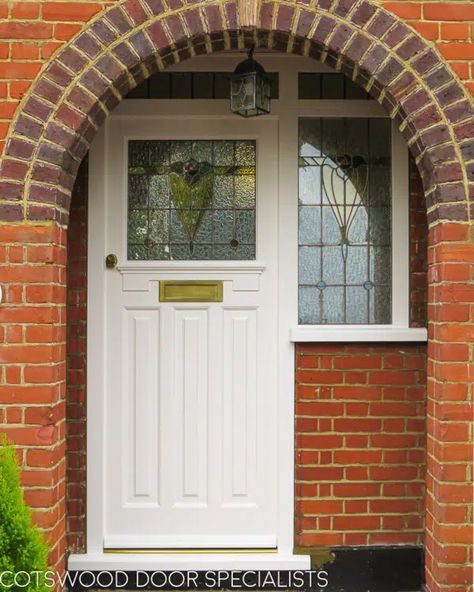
249	89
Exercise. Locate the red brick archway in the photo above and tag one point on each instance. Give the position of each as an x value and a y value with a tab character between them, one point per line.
73	95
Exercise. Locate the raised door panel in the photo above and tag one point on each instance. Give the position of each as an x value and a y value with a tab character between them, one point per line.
140	365
240	409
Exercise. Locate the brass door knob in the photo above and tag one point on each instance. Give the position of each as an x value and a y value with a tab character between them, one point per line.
111	261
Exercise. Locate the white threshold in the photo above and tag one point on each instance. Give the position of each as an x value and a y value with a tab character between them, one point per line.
356	333
187	561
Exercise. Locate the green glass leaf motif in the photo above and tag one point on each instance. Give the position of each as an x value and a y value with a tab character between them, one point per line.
192	185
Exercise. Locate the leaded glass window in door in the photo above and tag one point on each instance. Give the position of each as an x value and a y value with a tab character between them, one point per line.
345	236
191	199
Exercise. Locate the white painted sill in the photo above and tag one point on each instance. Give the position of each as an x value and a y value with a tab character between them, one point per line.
356	333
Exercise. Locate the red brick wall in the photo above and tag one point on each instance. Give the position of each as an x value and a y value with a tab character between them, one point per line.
360	444
76	365
418	251
31	32
32	389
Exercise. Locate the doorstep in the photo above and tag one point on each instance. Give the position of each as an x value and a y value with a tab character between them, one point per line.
187	561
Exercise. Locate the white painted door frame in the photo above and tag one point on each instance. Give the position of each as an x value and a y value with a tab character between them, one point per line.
287	110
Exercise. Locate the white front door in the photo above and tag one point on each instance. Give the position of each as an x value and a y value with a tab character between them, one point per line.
190	387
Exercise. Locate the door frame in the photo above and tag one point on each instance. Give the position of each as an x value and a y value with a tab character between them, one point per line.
286	109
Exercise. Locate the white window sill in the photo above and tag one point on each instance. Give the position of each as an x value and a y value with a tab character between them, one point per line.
356	333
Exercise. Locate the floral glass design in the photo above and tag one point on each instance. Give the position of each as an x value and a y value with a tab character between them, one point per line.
191	199
345	234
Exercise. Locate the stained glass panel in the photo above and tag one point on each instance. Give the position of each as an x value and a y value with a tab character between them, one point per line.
345	237
191	199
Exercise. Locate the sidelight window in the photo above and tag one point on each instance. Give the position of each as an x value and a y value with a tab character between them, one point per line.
345	221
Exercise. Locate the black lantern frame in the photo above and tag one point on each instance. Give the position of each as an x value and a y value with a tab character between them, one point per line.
250	89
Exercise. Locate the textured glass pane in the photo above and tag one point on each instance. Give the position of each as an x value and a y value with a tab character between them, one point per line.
380	225
191	85
382	309
202	151
310	184
309	265
333	137
180	252
380	151
354	92
357	305
185	205
181	151
158	226
224	225
160	86
331	228
309	85
137	226
137	252
202	252
333	265
309	225
223	191
139	92
178	233
332	86
244	252
310	137
203	85
159	153
333	305
274	84
345	172
244	191
379	186
357	265
204	231
221	85
224	252
380	264
223	153
245	226
181	85
328	86
137	191
358	230
309	306
159	252
245	153
138	154
158	191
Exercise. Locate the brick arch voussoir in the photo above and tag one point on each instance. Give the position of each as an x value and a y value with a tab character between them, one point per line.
88	78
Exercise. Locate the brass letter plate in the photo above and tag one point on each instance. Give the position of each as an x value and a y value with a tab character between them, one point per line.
191	291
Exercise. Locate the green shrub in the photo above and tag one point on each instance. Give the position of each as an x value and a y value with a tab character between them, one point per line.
22	547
